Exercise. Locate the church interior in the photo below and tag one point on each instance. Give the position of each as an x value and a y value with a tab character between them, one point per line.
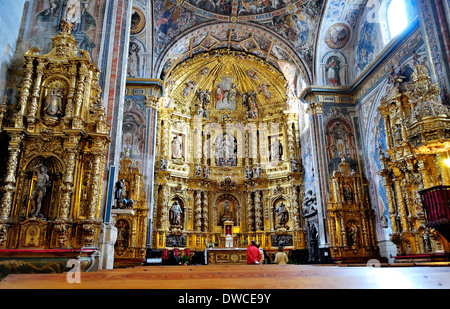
138	134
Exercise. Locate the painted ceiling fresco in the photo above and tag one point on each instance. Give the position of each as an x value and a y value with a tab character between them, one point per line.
285	33
276	31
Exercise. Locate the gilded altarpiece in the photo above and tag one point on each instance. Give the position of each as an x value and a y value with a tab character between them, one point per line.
229	164
417	137
130	213
350	218
58	137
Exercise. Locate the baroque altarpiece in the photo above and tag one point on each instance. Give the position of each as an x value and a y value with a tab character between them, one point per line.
418	142
58	137
229	165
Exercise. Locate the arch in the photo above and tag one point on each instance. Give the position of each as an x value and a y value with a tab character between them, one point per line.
136	58
42	199
334	68
181	48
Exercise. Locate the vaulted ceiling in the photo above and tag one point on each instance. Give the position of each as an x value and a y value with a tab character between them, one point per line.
290	35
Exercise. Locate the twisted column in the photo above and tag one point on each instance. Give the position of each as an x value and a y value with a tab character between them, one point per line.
163	200
10	180
249	212
67	184
198	211
205	212
258	211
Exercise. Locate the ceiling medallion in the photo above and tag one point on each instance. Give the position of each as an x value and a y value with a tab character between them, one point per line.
338	36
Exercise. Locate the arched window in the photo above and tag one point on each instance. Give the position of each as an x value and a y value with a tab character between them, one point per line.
397	17
396	14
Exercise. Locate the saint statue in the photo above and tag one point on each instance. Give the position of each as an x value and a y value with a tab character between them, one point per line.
53	102
40	189
120	193
175	214
276	150
257	171
206	172
177	148
225	150
282	214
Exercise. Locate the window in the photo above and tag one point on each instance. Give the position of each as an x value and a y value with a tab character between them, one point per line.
397	17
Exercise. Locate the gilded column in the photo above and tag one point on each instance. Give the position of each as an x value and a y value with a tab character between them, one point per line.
249	212
290	138
198	211
205	212
247	148
401	204
33	108
163	200
24	92
67	187
254	145
95	187
81	84
10	180
71	93
258	211
295	208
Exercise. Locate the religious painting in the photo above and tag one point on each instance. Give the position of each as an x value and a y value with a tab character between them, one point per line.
293	27
340	144
78	12
170	19
226	94
134	128
352	232
307	159
366	48
338	36
222	7
50	16
123	236
334	69
252	7
379	148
